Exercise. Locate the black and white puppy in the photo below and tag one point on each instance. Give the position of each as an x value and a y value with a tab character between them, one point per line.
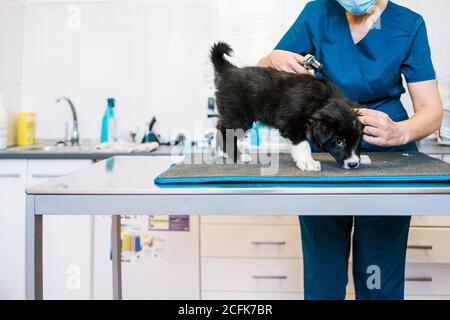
301	107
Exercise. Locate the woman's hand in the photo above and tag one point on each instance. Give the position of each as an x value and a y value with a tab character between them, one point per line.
380	130
284	61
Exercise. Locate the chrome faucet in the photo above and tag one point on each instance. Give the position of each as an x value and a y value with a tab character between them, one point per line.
75	139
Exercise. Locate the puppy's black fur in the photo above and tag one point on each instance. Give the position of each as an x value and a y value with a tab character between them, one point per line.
299	106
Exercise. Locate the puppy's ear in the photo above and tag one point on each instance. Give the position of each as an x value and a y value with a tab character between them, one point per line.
330	113
319	132
324	123
321	125
325	113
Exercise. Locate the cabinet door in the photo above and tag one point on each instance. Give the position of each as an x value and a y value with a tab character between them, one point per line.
40	171
67	239
428	245
258	241
252	275
12	235
425	279
250	220
430	221
240	295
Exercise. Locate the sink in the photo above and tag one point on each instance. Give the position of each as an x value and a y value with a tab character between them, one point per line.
54	148
114	148
43	148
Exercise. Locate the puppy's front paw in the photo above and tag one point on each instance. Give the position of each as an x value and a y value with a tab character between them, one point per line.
246	158
308	165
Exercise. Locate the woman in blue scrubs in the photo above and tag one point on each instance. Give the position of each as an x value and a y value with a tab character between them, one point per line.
366	45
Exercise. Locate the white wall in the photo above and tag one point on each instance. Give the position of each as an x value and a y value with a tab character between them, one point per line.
435	14
11	37
152	55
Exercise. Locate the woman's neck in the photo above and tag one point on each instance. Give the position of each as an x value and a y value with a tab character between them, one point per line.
374	13
361	25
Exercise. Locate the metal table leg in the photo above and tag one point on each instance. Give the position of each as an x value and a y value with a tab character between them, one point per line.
116	258
33	258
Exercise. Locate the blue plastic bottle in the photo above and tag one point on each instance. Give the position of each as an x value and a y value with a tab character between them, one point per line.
109	123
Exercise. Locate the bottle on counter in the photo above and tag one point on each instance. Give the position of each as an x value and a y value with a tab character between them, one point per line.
3	125
109	127
26	128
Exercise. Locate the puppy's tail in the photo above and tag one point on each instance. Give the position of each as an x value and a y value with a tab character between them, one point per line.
217	57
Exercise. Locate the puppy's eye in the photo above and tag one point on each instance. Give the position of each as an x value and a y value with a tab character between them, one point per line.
340	143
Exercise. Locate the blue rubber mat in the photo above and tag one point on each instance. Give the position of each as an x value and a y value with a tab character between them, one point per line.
385	167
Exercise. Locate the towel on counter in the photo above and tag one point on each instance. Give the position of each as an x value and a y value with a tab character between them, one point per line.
127	147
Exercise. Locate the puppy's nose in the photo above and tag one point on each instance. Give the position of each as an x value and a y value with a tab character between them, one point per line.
353	165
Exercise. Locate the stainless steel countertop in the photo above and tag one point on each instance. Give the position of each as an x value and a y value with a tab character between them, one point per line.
27	153
135	176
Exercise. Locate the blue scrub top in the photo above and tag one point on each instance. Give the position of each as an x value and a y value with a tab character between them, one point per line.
368	72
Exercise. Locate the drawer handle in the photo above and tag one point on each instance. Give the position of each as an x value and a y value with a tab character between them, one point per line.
420	247
419	279
269	243
42	175
10	175
280	277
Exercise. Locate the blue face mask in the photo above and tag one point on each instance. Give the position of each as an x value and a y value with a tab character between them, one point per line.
357	7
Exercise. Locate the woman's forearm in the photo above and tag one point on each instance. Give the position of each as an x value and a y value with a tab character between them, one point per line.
428	111
262	62
382	131
422	123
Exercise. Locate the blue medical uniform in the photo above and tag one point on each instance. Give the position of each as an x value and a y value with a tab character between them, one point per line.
368	72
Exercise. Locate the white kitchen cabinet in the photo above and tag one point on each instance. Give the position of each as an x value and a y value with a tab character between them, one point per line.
427	279
67	240
260	241
428	245
251	220
230	258
419	297
251	257
40	171
430	221
238	295
13	177
255	275
410	297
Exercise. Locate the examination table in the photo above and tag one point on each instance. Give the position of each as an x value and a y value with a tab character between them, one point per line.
125	185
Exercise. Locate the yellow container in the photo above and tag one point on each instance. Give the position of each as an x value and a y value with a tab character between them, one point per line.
26	124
